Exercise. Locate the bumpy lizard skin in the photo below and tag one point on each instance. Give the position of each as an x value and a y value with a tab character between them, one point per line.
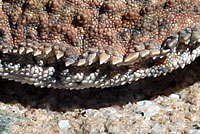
76	44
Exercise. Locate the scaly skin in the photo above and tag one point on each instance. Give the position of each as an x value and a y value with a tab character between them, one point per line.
76	44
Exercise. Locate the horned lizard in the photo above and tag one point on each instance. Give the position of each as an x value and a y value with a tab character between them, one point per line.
76	44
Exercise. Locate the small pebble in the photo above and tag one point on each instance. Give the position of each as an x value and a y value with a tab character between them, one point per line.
64	125
148	108
157	127
174	96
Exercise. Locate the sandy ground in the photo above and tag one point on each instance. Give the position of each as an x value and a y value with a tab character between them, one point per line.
167	104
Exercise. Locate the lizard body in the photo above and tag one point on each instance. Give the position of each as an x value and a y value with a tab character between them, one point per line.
76	44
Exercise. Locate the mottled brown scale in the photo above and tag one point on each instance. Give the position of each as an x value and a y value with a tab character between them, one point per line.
109	7
131	15
83	17
55	5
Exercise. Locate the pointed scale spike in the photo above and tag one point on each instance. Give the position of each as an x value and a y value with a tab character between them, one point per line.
15	50
116	60
154	52
59	54
131	57
103	58
29	50
69	61
144	53
82	62
37	52
5	50
21	50
92	58
47	50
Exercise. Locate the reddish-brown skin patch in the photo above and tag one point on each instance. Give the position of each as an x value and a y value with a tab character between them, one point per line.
94	23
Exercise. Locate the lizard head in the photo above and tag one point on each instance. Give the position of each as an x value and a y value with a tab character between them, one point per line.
82	44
